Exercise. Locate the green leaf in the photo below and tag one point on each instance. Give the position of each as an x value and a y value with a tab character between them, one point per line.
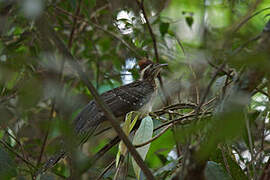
235	170
159	150
90	3
229	125
215	171
189	21
7	165
72	3
163	28
30	93
143	134
130	121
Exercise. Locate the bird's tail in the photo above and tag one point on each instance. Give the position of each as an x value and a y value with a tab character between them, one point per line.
51	162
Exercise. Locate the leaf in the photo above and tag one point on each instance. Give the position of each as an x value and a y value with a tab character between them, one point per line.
168	167
229	125
235	170
30	93
143	134
159	150
189	21
218	84
127	127
7	165
215	171
72	3
163	28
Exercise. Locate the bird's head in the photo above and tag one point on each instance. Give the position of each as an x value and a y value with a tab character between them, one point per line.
149	70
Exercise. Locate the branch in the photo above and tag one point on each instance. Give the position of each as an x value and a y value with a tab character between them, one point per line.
154	138
181	120
45	29
74	24
208	87
247	17
100	153
106	170
140	4
102	29
47	133
15	153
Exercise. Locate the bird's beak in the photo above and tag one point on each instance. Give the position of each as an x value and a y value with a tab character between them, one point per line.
158	68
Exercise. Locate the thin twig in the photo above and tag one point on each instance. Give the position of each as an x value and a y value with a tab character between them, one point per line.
237	50
180	44
154	138
250	143
140	4
106	170
74	24
175	107
134	51
222	70
15	153
166	100
100	153
44	142
19	143
181	120
169	125
248	17
6	98
208	87
225	161
263	92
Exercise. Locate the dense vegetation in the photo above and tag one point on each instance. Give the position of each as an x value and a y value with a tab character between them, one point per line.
211	114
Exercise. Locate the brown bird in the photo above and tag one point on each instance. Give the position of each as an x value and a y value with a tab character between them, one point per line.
135	96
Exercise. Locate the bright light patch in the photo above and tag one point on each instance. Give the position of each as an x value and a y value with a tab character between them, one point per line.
127	76
32	8
123	21
172	155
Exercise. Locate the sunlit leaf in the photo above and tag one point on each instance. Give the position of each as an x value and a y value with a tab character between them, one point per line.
143	134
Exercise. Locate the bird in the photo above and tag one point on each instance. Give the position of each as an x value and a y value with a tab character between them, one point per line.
135	96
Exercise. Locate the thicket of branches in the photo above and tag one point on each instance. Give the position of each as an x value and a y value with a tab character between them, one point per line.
210	115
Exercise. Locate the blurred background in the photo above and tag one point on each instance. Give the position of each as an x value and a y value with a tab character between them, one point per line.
214	99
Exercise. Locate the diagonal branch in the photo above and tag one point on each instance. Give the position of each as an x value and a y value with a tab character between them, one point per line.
46	30
8	147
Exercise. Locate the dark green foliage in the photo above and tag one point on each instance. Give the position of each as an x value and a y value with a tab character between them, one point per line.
213	124
7	165
214	171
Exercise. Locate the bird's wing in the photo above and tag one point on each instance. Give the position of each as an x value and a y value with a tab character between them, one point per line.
130	97
121	100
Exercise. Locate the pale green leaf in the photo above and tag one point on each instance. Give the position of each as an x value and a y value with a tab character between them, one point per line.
127	127
143	134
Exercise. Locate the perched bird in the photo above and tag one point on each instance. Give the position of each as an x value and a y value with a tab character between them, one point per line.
135	96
